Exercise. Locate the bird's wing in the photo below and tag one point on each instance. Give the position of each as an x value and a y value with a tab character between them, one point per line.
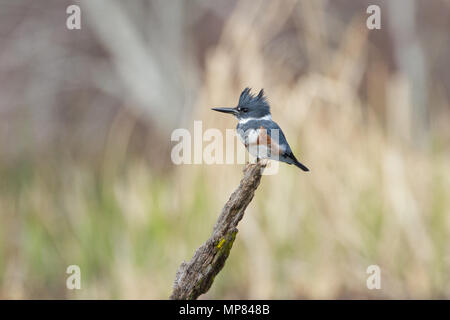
274	136
278	146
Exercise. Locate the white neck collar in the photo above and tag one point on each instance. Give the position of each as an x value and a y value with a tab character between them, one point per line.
266	117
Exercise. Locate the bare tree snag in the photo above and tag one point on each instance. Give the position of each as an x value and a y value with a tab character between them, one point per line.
196	276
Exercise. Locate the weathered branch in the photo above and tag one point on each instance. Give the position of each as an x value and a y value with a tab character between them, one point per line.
196	276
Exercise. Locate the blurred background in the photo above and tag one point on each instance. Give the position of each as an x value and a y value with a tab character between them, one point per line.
86	118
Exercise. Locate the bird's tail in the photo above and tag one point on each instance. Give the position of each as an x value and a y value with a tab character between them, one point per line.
293	160
301	166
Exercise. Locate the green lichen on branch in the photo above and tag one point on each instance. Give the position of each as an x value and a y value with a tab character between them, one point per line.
196	276
223	250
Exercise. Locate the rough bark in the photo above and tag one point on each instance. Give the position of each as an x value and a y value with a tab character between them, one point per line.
196	276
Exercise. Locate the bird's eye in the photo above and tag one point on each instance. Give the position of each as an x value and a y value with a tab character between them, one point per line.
244	109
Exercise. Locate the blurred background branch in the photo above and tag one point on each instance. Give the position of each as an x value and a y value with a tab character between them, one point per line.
151	72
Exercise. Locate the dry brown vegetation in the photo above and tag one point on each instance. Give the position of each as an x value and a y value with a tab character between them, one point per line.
85	171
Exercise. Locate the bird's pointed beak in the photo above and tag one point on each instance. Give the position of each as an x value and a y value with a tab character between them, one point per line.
226	110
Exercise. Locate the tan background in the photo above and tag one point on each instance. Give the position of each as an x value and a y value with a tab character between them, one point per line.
85	123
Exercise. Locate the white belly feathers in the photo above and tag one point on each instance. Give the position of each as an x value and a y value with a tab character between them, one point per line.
250	140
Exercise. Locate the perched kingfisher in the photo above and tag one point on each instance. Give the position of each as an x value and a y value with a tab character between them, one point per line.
262	137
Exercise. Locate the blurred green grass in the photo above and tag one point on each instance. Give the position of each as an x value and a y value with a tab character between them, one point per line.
133	230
